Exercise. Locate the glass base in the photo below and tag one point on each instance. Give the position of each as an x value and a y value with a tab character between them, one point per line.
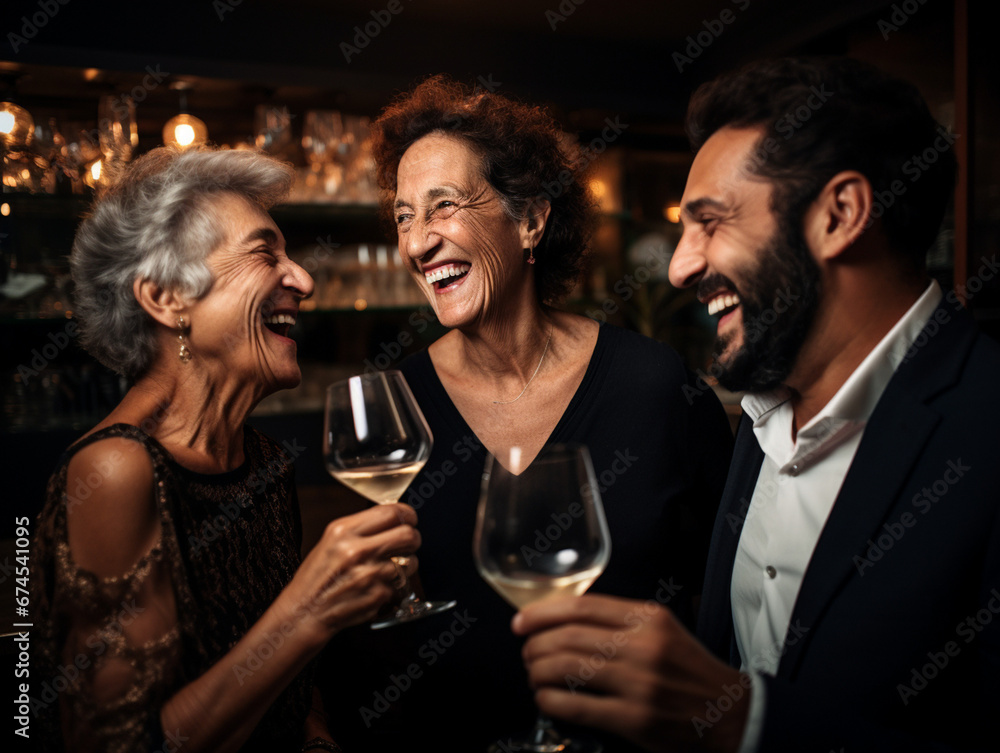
414	610
545	738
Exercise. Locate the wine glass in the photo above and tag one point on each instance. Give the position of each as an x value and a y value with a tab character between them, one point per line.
375	441
541	532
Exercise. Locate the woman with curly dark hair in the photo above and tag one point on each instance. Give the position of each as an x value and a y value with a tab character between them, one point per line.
493	219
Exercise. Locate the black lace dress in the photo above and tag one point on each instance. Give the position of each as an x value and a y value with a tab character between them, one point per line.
229	543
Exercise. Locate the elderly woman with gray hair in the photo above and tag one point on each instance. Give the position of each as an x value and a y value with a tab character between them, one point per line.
175	610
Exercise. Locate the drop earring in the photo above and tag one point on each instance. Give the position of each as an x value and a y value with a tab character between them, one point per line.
531	256
184	354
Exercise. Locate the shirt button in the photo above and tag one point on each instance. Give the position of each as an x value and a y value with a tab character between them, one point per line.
771	572
794	470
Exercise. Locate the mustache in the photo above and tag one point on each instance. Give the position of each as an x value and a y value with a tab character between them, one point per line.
714	282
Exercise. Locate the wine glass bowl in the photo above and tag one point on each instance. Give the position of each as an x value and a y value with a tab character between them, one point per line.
541	532
375	441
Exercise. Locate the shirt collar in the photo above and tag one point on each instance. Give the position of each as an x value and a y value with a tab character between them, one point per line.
848	410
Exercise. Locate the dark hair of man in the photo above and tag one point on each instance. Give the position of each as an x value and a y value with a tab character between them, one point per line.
821	116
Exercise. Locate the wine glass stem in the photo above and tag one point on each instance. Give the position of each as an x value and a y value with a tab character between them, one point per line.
545	737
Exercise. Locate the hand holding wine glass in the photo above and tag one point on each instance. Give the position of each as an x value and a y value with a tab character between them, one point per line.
541	533
375	441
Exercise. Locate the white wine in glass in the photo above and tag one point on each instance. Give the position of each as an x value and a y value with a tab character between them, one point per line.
541	532
375	441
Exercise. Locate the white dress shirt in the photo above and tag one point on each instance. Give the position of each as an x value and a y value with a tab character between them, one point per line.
798	483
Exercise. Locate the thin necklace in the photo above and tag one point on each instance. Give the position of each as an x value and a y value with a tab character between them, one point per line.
544	351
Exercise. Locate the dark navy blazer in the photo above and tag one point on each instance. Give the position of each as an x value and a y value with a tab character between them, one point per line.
895	639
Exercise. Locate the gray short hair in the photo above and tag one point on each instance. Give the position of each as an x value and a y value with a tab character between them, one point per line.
156	223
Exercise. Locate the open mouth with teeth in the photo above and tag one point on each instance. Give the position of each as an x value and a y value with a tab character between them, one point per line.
279	324
446	276
723	304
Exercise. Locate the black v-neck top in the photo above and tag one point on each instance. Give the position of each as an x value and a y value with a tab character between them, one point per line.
660	445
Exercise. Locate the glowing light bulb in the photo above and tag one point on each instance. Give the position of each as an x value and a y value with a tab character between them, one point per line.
672	213
16	125
184	134
184	131
95	171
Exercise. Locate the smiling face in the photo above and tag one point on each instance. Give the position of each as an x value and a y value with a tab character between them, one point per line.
240	327
454	237
753	270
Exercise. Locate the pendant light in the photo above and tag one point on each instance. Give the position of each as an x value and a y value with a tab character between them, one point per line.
184	130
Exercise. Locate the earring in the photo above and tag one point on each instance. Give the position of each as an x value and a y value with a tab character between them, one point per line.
531	256
184	354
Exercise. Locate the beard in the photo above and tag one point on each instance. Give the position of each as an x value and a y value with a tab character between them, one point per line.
778	301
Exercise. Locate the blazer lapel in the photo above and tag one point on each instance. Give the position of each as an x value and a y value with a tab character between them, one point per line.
893	439
715	620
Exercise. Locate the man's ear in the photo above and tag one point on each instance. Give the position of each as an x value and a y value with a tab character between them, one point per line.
839	215
165	305
533	225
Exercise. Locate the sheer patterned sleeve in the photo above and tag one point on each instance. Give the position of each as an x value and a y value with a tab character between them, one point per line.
121	634
108	648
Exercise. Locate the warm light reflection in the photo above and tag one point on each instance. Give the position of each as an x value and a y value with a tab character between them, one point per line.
5	209
673	213
598	189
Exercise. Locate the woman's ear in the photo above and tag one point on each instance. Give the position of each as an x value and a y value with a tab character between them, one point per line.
839	215
533	225
165	305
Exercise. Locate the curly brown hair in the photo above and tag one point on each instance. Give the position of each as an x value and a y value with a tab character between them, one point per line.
522	156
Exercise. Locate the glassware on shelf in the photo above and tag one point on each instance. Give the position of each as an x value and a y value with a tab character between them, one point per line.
359	168
273	131
322	132
116	130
